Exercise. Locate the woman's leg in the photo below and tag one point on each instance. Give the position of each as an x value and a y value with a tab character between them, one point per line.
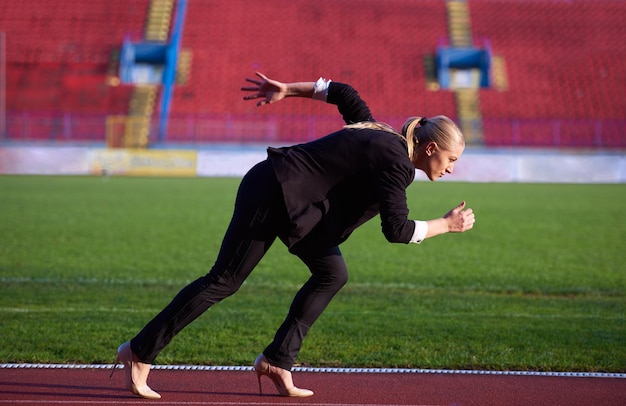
329	275
250	234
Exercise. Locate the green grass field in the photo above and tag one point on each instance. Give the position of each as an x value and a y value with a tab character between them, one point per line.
538	284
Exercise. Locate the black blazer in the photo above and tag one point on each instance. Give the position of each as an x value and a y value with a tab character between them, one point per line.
336	183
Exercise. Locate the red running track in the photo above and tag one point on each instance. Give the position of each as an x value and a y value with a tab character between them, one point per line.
92	386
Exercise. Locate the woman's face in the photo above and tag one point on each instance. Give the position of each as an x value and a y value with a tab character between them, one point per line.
435	162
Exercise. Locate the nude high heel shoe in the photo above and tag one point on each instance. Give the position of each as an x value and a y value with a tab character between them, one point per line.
137	369
281	378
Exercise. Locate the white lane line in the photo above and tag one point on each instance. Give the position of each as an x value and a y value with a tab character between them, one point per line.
331	370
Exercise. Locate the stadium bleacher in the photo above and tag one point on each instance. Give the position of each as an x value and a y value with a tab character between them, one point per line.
57	58
566	60
565	65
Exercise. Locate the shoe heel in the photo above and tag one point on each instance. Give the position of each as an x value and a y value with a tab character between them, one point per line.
258	377
117	360
125	357
284	386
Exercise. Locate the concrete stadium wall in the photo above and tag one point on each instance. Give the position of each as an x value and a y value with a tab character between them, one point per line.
476	165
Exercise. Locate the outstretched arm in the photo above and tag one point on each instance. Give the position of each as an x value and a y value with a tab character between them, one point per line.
350	105
456	220
271	91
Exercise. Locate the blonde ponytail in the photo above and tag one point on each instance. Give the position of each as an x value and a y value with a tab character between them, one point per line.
409	134
372	125
438	129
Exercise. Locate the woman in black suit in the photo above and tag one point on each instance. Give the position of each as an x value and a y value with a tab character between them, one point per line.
312	197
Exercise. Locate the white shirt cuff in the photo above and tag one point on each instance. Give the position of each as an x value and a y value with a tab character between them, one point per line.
320	89
421	229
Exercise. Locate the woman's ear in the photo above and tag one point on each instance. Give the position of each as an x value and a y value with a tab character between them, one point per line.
431	148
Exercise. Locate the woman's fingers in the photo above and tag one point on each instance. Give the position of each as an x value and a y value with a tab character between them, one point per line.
266	89
262	76
468	219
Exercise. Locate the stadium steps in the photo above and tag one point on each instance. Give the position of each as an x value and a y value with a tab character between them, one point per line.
467	100
183	69
459	24
498	72
136	126
137	132
470	118
142	100
158	20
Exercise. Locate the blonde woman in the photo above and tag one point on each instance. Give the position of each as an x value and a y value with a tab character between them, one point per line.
312	197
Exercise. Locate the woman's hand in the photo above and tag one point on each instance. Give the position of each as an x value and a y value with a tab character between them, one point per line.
269	90
459	220
456	220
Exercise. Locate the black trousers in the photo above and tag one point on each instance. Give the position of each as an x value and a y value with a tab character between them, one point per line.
259	217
